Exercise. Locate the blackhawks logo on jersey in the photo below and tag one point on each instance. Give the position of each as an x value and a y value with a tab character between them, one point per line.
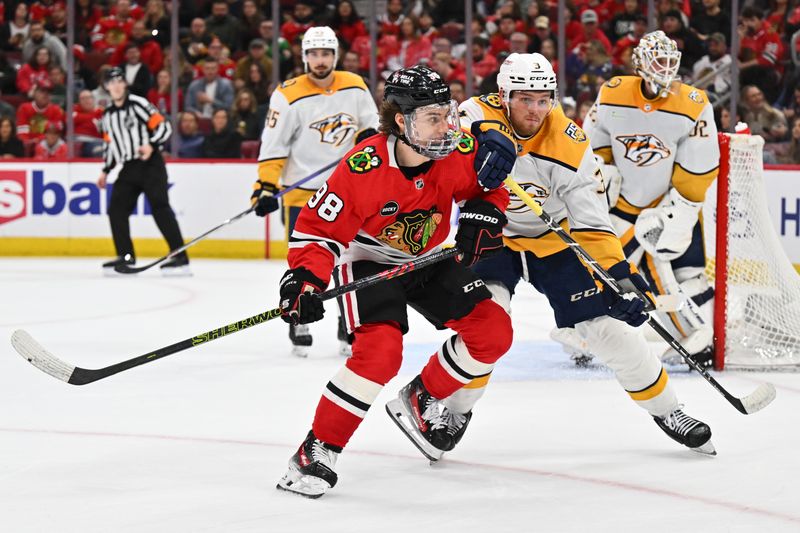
410	232
364	160
335	129
466	144
644	149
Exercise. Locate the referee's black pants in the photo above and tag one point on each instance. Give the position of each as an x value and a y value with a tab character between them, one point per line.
136	177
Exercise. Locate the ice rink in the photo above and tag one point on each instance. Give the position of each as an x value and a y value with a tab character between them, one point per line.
196	442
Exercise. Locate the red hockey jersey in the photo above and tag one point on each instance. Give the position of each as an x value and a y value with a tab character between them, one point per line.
369	210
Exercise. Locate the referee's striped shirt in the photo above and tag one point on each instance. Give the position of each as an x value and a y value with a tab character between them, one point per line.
128	127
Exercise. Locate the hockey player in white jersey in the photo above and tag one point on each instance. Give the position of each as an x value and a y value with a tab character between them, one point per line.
658	139
556	166
312	122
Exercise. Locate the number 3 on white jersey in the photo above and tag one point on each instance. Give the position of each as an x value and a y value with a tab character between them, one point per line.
330	208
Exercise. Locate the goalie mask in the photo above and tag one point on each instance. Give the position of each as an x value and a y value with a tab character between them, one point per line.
656	59
432	127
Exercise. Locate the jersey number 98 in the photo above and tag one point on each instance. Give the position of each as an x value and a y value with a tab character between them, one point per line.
330	207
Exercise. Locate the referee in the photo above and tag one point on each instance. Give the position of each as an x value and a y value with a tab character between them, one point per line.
133	131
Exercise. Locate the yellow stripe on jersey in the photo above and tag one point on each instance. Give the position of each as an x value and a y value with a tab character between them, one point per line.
628	236
301	86
651	391
478	383
606	153
673	316
626	91
692	186
269	170
626	207
604	247
297	197
544	245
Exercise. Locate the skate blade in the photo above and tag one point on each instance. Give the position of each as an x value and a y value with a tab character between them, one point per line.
400	415
345	350
705	449
177	272
307	486
300	351
109	272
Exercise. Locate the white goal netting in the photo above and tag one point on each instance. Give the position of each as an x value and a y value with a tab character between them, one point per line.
761	292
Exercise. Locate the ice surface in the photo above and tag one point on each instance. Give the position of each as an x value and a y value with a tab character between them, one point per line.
196	441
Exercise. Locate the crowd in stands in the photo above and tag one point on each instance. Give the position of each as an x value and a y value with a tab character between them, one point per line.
226	59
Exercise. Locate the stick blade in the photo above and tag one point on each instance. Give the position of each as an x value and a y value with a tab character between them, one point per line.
126	269
759	398
35	354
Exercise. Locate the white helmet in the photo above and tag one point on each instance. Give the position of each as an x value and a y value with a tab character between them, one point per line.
526	72
656	59
320	37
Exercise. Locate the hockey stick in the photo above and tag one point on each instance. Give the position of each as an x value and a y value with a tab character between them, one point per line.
125	269
48	363
755	401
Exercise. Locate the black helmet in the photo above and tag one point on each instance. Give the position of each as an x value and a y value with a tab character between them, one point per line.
114	73
415	87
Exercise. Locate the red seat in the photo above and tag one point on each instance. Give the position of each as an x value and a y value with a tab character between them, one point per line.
250	149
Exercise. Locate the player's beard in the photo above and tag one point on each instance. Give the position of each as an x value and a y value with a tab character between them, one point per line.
321	74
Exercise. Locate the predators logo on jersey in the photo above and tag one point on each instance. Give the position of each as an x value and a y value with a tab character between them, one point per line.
335	129
535	191
410	232
644	149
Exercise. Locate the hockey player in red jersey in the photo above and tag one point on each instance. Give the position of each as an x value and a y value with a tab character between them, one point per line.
387	202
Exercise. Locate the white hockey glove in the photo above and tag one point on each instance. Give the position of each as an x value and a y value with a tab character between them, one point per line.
665	232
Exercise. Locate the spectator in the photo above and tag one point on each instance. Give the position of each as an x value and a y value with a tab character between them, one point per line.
258	83
541	33
427	28
87	16
37	38
378	96
591	31
32	116
257	53
195	44
14	33
209	93
86	119
190	140
582	111
791	155
763	119
484	64
518	43
224	26
722	117
161	95
99	93
223	142
549	52
390	21
10	145
245	118
110	31
57	23
624	46
500	42
622	23
157	22
447	69
52	146
218	53
413	48
760	53
690	46
251	22
592	69
58	86
151	54
284	50
458	91
533	12
716	58
347	24
302	18
711	18
137	74
35	73
792	108
351	63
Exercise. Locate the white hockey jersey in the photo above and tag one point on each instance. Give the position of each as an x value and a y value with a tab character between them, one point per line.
308	128
557	168
655	143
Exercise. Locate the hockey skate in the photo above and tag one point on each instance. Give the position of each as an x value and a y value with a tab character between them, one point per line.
177	267
685	430
301	340
310	471
109	267
573	344
419	416
345	339
455	426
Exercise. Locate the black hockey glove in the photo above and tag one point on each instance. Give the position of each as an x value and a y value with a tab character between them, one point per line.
300	301
263	198
632	307
365	134
480	231
496	155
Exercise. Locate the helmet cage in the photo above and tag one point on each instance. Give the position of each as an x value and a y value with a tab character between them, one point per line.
656	59
433	148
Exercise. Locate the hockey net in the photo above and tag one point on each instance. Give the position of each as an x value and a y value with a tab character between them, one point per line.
757	289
